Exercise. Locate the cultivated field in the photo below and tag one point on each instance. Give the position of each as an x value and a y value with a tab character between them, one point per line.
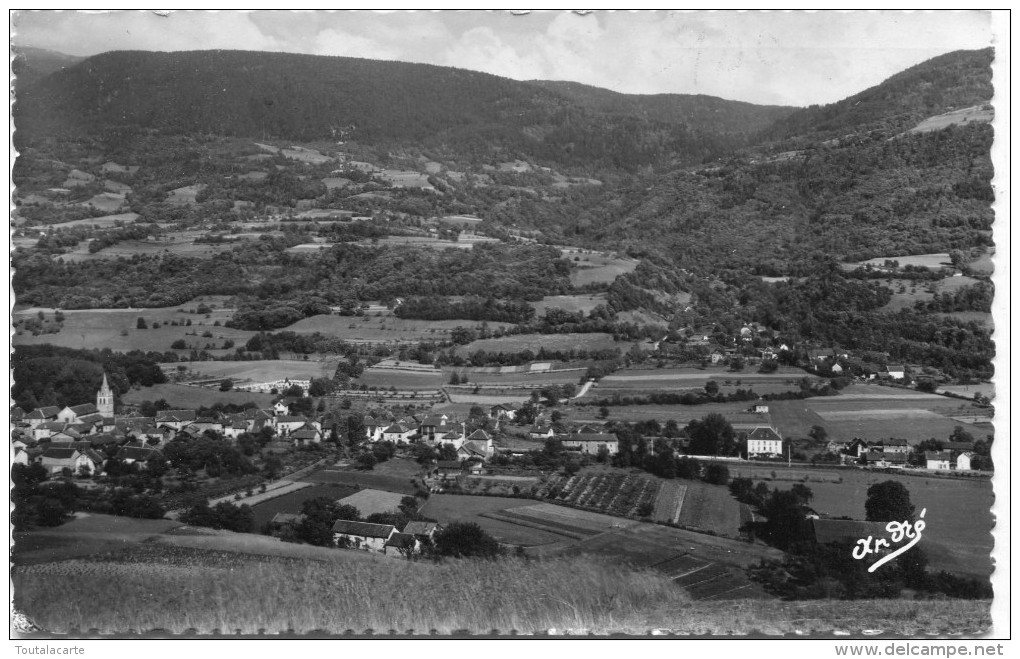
401	379
611	491
958	515
672	379
291	503
180	396
669	501
446	508
362	479
711	508
369	501
736	412
534	342
876	412
266	370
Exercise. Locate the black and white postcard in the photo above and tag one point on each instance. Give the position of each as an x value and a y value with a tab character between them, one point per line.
434	324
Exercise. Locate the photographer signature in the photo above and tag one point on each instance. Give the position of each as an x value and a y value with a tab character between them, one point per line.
899	531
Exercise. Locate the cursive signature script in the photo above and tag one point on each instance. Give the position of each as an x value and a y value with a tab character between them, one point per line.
899	531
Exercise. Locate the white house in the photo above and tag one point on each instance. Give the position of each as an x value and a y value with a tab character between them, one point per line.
362	535
591	443
55	460
71	414
398	433
896	371
288	424
963	461
374	428
764	441
937	459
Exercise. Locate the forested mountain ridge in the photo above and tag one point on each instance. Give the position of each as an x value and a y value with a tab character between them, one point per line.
32	64
308	98
704	112
955	80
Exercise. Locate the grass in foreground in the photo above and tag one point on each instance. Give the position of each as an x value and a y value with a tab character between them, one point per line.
178	589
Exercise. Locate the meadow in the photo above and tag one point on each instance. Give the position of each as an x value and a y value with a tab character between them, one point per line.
180	396
447	508
934	261
381	328
104	222
129	248
266	370
596	267
571	303
402	380
117	329
534	342
958	511
734	412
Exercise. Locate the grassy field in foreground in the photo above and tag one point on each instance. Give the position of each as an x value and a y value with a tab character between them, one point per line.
177	589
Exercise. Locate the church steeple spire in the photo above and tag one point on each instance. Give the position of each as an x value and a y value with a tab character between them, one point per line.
104	398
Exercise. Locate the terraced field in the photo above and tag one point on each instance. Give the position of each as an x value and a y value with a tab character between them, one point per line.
610	491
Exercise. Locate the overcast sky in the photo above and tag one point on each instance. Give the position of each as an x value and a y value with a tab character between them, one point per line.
797	58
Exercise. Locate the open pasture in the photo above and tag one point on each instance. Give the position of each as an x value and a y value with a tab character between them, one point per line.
185	195
267	370
597	268
905	293
984	388
128	248
571	303
103	222
117	329
380	329
291	503
983	264
180	396
975	113
958	517
535	342
111	202
933	261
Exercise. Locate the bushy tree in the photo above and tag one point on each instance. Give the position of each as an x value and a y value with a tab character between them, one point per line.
466	540
712	435
888	501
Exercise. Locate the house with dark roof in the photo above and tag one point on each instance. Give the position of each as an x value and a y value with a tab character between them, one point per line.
137	454
434	425
305	436
937	459
287	518
71	414
42	415
421	529
402	544
448	469
844	531
764	441
55	460
891	445
398	433
176	419
590	443
288	424
362	535
41	431
541	431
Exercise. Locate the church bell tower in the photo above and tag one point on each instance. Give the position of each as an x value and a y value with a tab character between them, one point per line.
104	399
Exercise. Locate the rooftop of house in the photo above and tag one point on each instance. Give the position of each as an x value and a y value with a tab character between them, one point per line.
363	529
764	433
845	530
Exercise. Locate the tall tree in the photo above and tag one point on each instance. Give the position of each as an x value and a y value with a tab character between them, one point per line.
888	501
